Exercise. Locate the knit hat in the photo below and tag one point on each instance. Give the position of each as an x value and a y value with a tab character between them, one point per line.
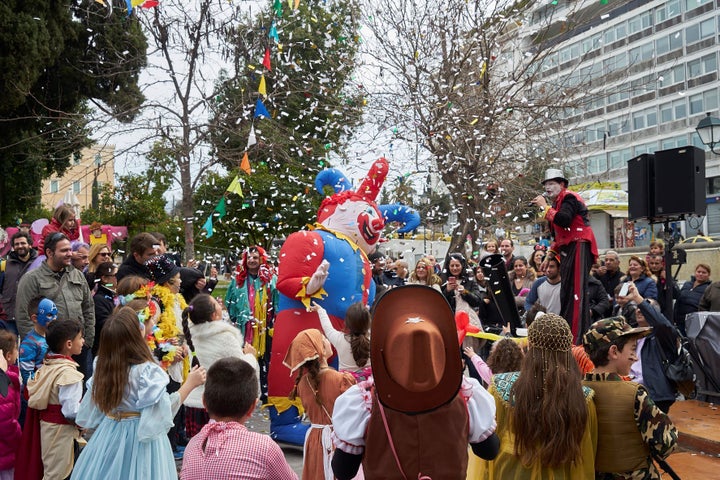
105	269
47	312
162	268
608	330
550	332
307	345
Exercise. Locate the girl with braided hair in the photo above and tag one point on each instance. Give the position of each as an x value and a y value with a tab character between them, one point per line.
546	419
209	339
318	386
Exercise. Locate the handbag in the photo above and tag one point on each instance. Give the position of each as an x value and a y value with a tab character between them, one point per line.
680	371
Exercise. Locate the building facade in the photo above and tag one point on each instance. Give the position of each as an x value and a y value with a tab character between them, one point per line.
652	73
94	166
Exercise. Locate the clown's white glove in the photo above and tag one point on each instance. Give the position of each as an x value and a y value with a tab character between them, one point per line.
318	279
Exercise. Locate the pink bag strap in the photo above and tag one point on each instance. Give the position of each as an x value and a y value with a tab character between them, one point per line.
392	446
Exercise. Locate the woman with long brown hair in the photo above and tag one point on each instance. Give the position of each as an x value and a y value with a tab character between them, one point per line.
546	420
128	407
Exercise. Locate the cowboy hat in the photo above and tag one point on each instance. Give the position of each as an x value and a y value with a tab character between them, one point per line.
414	350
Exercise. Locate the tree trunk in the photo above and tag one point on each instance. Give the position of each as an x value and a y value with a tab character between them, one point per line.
188	207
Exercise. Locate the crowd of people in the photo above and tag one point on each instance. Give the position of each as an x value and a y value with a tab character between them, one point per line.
119	371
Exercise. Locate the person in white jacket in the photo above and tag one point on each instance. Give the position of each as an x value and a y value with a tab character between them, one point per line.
209	339
353	348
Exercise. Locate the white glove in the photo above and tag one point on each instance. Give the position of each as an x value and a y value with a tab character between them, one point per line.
318	279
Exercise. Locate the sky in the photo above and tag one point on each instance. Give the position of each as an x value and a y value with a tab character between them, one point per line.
134	140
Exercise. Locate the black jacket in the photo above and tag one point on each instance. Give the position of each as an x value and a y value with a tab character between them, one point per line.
131	267
598	300
104	300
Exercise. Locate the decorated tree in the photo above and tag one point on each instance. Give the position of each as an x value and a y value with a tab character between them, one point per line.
253	210
285	112
59	57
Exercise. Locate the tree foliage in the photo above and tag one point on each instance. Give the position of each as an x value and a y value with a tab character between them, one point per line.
269	209
313	105
137	201
58	57
310	94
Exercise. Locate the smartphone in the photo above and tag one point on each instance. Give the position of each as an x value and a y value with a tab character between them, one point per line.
452	280
624	289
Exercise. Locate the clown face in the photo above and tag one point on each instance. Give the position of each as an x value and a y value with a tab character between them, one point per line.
359	220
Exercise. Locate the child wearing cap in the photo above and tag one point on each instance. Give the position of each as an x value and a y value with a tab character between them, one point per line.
631	428
34	346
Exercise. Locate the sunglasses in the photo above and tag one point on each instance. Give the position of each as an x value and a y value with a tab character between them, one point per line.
104	254
539	247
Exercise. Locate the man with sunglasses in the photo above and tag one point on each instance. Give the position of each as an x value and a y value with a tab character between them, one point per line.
17	264
65	285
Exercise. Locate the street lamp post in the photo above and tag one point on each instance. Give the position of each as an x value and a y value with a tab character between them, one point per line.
709	131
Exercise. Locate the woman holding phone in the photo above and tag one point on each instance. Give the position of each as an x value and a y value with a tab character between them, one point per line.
457	280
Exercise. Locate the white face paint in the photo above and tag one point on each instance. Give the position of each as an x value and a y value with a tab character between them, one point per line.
553	189
359	220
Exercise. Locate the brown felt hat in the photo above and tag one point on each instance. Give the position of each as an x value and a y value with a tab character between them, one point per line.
414	350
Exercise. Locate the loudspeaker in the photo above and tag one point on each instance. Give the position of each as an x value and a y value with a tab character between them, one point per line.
679	182
641	192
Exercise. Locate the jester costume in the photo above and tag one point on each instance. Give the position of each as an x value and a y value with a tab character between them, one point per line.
251	300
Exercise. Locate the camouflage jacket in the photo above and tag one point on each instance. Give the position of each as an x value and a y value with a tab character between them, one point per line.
656	429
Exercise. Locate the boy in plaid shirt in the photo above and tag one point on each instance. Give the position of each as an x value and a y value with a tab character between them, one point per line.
225	448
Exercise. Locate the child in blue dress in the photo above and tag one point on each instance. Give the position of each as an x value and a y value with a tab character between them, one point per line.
128	407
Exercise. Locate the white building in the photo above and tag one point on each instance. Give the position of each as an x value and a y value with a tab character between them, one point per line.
660	59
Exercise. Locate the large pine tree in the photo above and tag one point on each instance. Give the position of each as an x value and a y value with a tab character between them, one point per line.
313	103
56	57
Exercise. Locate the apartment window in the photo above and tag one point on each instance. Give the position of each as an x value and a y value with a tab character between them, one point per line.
669	42
679	109
641	53
703	102
674	110
551	61
674	142
597	163
644	118
592	43
614	63
690	4
643	85
618	159
569	53
618	97
701	66
669	10
617	126
595	132
699	31
54	186
645	148
76	187
639	23
618	32
98	159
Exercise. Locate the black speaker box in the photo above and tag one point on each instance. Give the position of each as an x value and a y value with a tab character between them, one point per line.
641	192
679	182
